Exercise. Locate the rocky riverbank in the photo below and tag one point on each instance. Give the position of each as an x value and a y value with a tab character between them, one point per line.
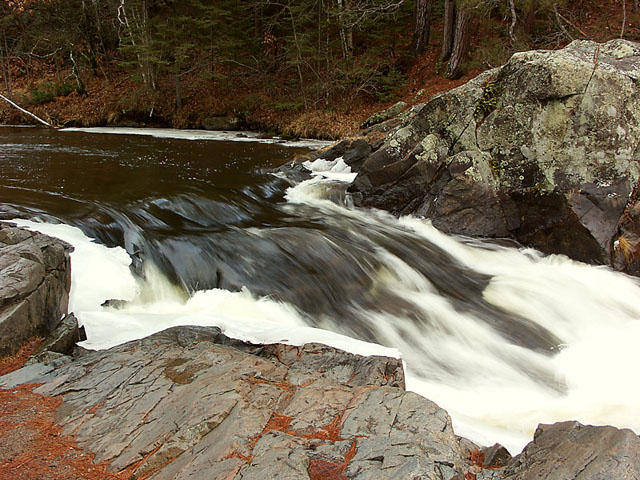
35	281
190	402
543	150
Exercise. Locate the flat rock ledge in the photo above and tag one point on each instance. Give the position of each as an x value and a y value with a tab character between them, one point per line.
191	403
35	280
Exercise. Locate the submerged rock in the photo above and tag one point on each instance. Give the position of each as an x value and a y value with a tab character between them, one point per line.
35	280
543	150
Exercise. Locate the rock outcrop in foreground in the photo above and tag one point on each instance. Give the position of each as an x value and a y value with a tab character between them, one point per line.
544	149
35	280
190	403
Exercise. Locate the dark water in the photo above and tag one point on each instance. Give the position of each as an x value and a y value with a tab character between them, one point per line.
209	215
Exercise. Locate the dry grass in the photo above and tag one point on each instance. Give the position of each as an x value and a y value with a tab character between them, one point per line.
14	362
323	124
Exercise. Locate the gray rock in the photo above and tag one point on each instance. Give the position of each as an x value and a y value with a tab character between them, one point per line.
541	150
495	456
191	403
35	373
570	450
384	115
35	279
61	340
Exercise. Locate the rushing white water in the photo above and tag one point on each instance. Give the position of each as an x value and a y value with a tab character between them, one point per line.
216	135
495	389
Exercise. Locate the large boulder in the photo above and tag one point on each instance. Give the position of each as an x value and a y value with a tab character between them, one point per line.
35	280
191	403
570	450
543	150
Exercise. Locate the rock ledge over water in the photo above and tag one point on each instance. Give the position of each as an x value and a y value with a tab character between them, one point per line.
191	403
35	280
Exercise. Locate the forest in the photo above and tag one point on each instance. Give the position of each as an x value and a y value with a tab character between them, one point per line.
303	67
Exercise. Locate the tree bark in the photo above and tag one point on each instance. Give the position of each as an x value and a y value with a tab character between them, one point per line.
530	17
6	67
514	20
449	27
178	92
422	28
461	42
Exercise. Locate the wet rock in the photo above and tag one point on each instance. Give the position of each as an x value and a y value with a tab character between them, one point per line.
294	172
191	403
115	303
352	151
495	456
62	340
570	450
35	280
541	150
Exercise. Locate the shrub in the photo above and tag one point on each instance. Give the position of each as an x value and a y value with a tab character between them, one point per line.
47	92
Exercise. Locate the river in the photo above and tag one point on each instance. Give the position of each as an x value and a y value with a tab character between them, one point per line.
190	228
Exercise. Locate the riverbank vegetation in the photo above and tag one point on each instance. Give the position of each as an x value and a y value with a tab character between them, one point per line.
309	67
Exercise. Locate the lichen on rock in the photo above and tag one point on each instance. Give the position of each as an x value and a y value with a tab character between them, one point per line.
543	150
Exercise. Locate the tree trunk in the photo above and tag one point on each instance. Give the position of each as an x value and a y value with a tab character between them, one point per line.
178	92
530	17
422	28
6	72
76	72
635	6
449	26
461	41
346	32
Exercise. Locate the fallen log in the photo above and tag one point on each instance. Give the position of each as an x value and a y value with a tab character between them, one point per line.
26	112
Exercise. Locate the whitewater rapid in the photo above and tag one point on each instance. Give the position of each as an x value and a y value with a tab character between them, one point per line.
495	389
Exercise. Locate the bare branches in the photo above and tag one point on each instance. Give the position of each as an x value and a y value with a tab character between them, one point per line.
514	19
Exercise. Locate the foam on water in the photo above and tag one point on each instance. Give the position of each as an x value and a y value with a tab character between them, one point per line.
216	135
502	391
335	170
100	273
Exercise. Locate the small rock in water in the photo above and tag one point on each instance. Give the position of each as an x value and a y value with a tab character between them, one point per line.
115	303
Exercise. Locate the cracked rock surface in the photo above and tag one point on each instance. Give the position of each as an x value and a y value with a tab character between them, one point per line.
191	403
543	150
35	280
